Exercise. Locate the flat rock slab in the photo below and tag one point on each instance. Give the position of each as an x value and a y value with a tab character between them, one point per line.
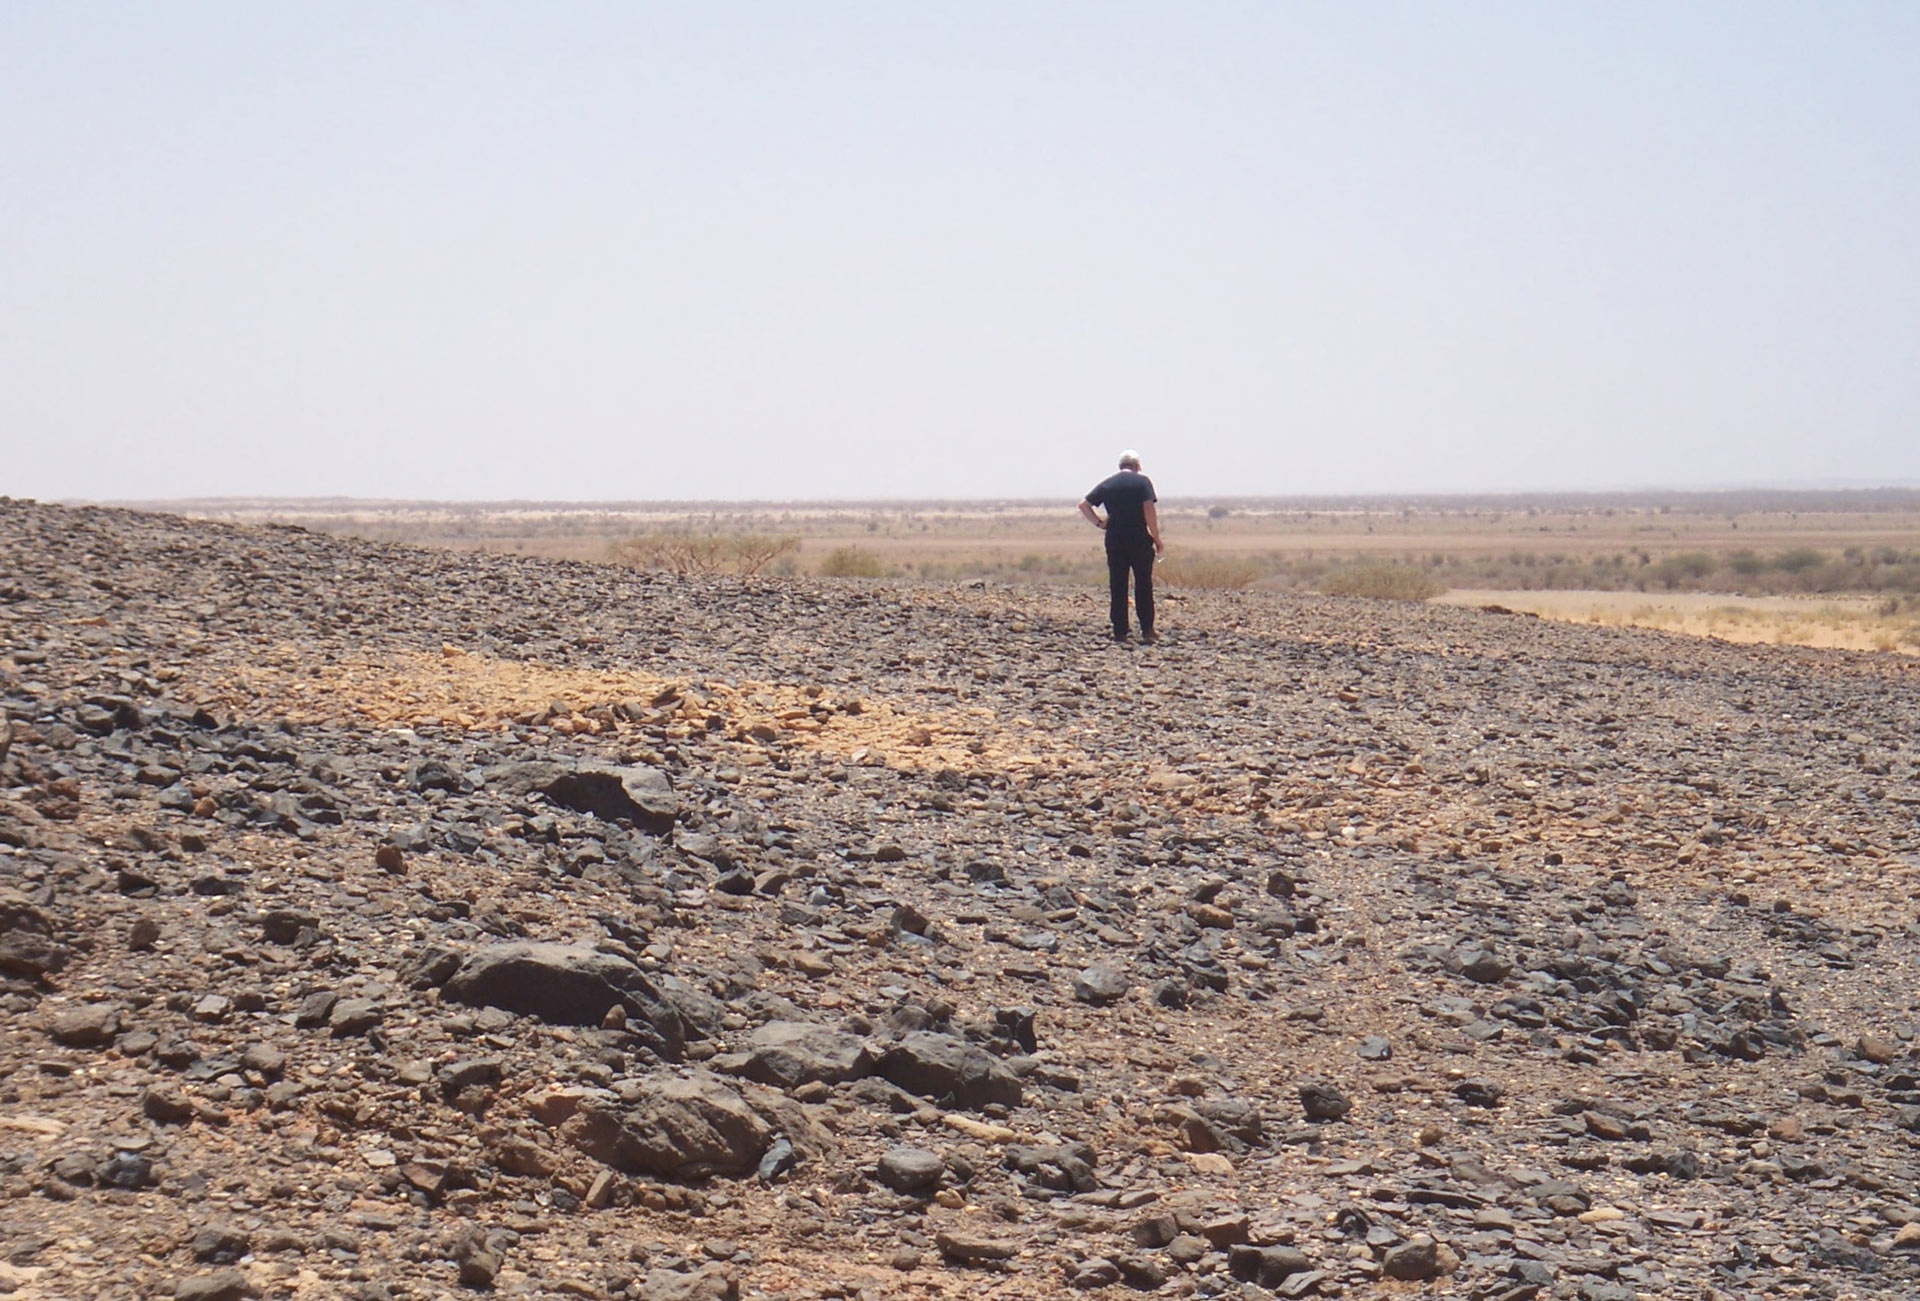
787	1054
711	1282
634	792
567	984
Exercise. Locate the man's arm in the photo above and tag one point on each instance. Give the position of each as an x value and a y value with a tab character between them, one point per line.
1086	508
1153	528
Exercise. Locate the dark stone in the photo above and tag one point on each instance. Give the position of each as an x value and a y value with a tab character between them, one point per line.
569	985
1322	1101
787	1054
430	967
129	1170
283	925
637	793
1267	1266
778	1160
1067	1168
166	1106
713	1281
220	1244
1418	1259
354	1016
1479	1092
911	1170
1019	1024
221	1285
27	946
315	1009
674	1129
478	1257
455	1076
1101	984
942	1067
1170	994
1484	967
1098	1272
90	1025
973	1249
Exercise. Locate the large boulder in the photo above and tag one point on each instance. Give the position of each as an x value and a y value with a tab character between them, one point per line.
694	1128
675	1129
636	793
567	984
787	1054
944	1068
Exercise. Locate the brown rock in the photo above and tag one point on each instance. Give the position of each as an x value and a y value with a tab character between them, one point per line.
973	1249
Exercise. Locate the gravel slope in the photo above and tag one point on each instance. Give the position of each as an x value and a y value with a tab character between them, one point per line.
379	922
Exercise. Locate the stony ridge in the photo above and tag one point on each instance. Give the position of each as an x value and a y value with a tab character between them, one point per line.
379	922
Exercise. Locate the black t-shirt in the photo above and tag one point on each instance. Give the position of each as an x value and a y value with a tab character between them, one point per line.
1125	495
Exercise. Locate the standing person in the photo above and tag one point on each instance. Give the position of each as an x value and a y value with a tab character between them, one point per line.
1133	540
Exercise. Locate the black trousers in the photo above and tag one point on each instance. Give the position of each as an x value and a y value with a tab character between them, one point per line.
1130	556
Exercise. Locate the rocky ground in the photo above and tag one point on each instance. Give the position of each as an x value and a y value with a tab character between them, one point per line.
387	923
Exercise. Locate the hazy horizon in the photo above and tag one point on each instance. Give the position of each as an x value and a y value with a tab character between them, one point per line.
483	252
1788	493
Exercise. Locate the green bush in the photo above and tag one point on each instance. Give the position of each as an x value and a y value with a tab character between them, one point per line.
1687	567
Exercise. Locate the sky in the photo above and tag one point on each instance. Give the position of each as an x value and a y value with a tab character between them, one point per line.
768	251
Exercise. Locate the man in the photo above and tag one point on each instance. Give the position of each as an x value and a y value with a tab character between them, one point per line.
1133	540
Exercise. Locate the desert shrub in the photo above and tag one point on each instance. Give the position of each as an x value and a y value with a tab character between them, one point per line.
851	562
1694	564
686	552
1189	570
1382	583
1799	559
1666	574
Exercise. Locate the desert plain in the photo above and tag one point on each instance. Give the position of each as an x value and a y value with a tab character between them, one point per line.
384	920
1833	568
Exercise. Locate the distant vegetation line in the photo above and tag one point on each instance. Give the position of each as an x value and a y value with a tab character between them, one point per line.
1705	501
1757	543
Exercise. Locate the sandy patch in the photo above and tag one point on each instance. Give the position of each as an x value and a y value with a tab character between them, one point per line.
1834	623
480	692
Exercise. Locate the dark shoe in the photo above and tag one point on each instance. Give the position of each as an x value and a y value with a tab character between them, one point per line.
1148	639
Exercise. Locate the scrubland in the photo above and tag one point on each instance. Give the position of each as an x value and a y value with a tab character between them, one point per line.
1822	568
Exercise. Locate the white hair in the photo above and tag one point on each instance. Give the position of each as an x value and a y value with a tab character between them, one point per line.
1129	460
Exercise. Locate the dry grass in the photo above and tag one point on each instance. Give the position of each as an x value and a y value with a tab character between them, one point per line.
851	562
1203	569
1858	623
1381	582
1650	549
685	552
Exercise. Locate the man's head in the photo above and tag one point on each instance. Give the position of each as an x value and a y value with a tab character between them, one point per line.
1130	460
